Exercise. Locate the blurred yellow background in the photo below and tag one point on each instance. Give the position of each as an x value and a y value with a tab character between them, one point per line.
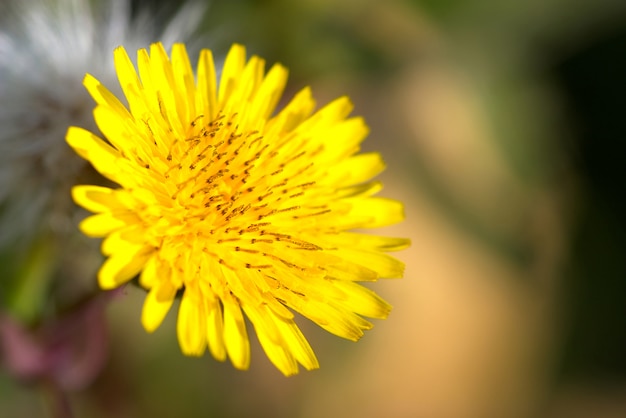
502	125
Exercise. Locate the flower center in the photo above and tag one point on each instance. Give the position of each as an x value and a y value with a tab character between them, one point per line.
238	193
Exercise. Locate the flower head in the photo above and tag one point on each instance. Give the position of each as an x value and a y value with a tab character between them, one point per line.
244	211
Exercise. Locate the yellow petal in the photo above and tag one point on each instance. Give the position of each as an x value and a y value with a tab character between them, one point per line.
262	320
278	308
384	265
342	140
355	170
207	90
144	98
121	267
102	156
360	190
372	212
126	74
333	112
184	82
347	270
149	277
103	96
271	340
296	111
242	283
362	300
231	72
157	304
105	223
269	93
329	315
163	77
96	199
191	325
215	328
298	345
124	239
245	88
235	334
129	141
367	242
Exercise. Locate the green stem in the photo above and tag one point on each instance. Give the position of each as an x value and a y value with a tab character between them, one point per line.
32	281
57	400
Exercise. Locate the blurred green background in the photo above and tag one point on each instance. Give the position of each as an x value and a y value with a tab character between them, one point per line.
503	125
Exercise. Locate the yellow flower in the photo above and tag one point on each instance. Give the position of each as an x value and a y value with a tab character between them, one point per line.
240	210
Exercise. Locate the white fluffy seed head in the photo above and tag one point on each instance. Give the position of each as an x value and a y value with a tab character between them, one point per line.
46	47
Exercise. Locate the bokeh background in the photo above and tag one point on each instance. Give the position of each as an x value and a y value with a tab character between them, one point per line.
503	125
